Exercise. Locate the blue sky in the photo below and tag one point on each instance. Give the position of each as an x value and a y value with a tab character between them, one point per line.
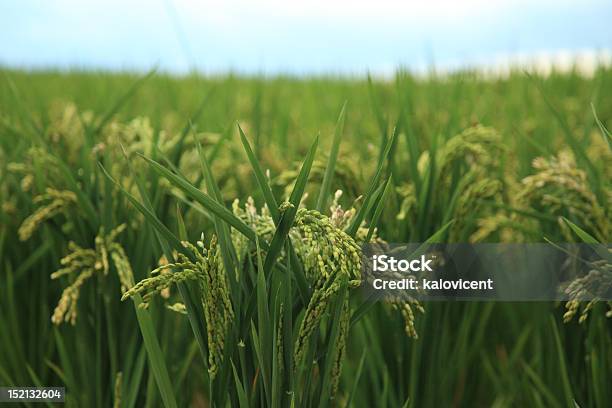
299	37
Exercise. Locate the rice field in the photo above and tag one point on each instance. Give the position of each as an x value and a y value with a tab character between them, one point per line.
195	241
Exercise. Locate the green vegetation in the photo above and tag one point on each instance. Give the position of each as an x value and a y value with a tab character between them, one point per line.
153	252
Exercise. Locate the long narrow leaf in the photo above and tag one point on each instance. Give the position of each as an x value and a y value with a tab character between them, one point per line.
359	217
378	210
207	202
288	216
331	161
156	357
584	236
605	133
261	178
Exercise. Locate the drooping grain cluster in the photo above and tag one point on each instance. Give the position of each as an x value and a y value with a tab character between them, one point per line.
203	266
478	147
53	202
560	188
468	163
344	174
332	260
82	264
595	285
471	204
408	196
